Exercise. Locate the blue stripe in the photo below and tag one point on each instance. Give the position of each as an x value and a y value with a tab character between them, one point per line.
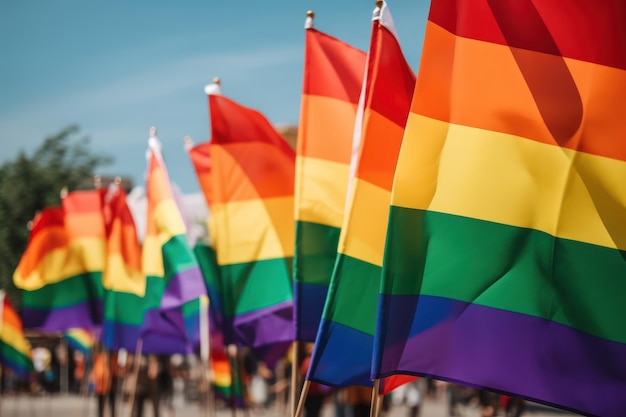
309	300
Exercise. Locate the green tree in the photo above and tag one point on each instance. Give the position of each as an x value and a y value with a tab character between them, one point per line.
29	184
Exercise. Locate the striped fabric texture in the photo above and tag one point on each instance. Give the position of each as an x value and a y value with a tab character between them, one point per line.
15	350
123	280
333	76
504	264
60	271
174	282
344	345
252	171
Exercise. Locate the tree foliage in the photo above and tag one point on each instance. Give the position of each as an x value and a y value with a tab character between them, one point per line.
28	184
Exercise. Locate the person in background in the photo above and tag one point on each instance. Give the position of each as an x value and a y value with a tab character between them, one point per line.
147	386
101	377
317	392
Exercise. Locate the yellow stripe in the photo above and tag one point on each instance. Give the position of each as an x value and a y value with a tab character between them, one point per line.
365	227
119	277
15	338
321	188
254	230
511	180
168	220
168	223
152	257
64	263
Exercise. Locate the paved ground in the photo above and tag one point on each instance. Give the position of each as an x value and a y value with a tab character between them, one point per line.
74	406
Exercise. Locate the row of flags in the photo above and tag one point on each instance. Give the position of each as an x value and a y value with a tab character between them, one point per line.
465	225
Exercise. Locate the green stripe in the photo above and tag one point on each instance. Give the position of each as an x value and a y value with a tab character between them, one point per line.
123	307
316	251
353	294
509	268
177	257
13	356
155	287
252	286
68	292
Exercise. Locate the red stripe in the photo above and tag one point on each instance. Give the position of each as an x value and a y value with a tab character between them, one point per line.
334	68
593	31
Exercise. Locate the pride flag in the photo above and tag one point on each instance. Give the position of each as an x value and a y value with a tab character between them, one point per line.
252	175
123	281
80	339
174	282
60	271
344	344
15	351
333	76
505	264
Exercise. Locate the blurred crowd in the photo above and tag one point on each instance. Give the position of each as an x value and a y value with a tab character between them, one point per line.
165	383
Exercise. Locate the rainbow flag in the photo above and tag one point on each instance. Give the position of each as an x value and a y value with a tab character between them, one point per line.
123	280
252	176
80	339
174	282
15	351
60	271
344	344
505	263
333	76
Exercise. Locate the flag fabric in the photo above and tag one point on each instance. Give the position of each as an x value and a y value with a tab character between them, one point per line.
123	280
333	76
344	344
80	339
174	282
504	264
15	350
252	171
60	271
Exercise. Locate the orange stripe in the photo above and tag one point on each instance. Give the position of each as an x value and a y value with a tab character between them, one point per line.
479	84
326	128
46	241
200	156
251	170
379	150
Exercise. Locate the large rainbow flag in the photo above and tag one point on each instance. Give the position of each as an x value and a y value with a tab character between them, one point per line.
252	176
344	344
15	351
174	282
60	271
505	261
333	76
123	280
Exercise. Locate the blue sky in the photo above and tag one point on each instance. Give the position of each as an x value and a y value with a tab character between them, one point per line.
115	68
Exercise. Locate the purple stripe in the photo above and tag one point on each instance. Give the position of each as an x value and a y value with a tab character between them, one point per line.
86	315
118	335
184	286
164	332
261	327
504	351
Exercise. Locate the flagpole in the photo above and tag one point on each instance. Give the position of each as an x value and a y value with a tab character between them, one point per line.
374	409
303	394
204	351
295	359
135	375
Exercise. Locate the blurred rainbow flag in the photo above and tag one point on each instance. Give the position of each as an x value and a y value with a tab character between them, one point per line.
344	345
174	281
60	271
80	339
15	352
252	175
333	76
123	280
505	265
